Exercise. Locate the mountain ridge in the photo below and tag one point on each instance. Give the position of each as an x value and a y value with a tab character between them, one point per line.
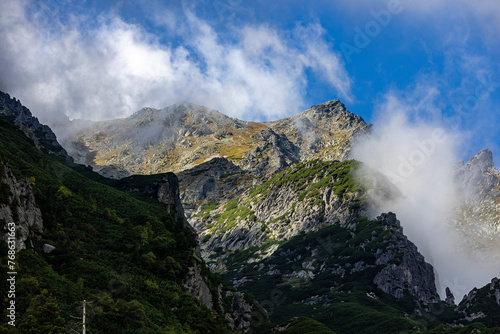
184	135
42	135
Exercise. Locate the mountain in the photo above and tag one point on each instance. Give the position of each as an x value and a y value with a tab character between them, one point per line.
274	241
184	135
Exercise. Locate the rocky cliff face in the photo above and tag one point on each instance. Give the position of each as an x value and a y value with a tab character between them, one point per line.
239	310
185	135
411	273
478	215
168	194
273	152
18	208
42	135
301	198
216	180
194	284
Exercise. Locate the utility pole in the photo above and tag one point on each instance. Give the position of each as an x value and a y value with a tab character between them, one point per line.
84	304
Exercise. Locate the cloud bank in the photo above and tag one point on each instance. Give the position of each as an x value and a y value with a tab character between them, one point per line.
417	150
107	68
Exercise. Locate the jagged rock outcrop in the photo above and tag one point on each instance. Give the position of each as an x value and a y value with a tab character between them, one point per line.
48	248
241	315
196	286
273	153
478	164
411	273
18	207
495	289
42	135
169	194
450	298
478	215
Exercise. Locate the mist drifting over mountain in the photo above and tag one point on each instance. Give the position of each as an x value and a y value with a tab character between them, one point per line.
420	155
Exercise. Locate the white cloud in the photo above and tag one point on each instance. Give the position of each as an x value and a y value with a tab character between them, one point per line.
116	68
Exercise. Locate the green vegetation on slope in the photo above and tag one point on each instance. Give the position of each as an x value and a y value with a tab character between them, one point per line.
126	257
307	179
347	301
337	175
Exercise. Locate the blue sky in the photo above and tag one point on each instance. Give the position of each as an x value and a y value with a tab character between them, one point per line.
259	60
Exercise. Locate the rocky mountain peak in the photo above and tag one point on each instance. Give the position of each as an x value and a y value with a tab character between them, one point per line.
483	161
327	108
450	298
331	109
480	303
411	273
144	112
179	114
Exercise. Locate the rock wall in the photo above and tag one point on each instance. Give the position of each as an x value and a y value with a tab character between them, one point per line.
169	194
280	210
18	206
216	180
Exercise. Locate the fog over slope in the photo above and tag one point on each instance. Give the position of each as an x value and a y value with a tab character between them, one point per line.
418	154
